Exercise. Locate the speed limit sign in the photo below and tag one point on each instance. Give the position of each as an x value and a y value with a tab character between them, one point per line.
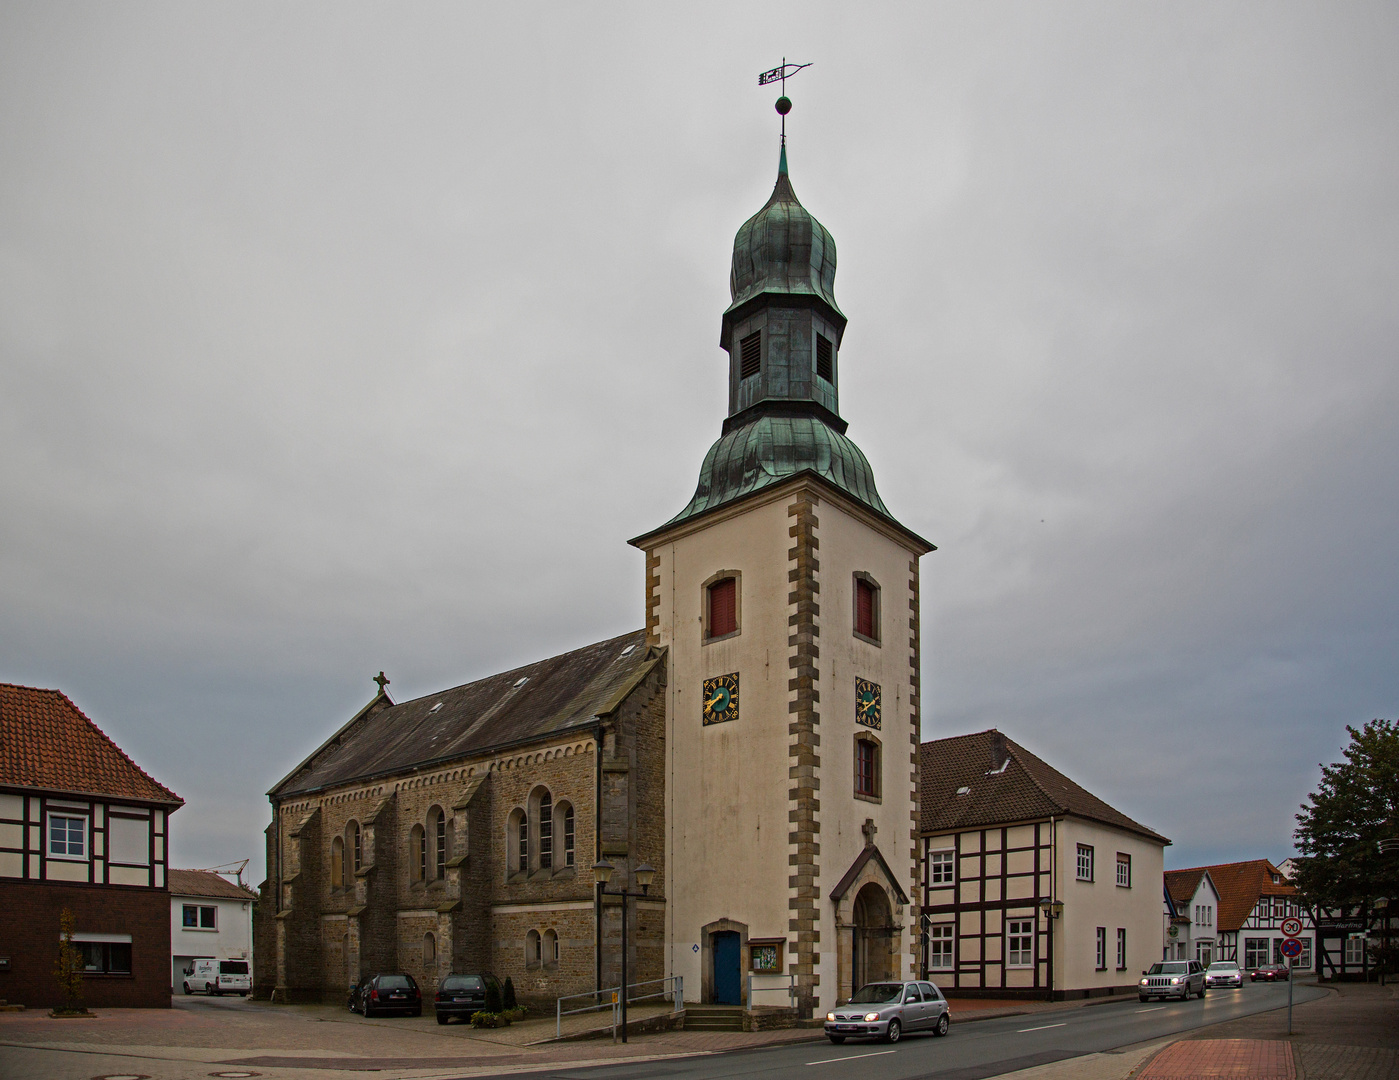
1291	927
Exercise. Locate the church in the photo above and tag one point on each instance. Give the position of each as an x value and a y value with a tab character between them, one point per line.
753	751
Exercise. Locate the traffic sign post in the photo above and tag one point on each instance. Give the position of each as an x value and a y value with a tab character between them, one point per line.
1292	927
1291	948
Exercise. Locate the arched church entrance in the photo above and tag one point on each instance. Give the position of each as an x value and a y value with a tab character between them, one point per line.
873	933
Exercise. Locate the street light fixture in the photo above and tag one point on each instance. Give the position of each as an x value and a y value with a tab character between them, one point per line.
602	874
1052	909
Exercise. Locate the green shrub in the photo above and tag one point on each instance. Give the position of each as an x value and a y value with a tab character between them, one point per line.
494	1004
510	1002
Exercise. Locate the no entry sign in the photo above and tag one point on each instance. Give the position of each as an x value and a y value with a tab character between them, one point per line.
1291	927
1291	948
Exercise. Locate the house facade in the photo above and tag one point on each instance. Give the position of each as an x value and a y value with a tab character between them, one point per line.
1254	899
210	918
1030	885
756	744
1191	917
83	829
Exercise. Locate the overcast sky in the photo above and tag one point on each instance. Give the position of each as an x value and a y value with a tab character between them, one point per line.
347	337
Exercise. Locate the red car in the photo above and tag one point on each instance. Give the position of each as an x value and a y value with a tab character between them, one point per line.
1268	973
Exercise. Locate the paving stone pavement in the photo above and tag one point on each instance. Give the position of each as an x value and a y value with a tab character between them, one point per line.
1199	1059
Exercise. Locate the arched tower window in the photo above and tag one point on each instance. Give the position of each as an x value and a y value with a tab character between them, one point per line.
551	948
337	862
563	817
357	847
534	951
517	841
437	838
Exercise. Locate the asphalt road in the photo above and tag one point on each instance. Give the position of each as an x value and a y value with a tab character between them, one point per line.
970	1051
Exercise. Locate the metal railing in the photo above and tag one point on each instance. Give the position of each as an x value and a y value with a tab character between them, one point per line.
787	985
671	988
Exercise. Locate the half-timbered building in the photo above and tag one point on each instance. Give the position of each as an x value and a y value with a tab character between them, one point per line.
1254	898
1031	886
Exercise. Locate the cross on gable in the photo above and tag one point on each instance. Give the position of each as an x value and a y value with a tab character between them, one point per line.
869	828
381	680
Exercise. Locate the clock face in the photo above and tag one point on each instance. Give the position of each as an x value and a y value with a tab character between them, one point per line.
721	698
867	703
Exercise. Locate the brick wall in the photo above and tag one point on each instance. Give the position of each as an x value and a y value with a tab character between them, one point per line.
29	936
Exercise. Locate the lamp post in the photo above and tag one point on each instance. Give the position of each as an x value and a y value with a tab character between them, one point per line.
602	873
1052	910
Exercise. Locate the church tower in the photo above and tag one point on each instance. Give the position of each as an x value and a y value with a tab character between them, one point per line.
786	595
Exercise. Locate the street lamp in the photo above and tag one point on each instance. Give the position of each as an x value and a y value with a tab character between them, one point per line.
1052	910
602	873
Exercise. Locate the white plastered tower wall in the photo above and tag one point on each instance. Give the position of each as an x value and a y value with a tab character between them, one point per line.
733	788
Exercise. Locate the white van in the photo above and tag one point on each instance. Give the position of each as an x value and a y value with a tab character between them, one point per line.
218	977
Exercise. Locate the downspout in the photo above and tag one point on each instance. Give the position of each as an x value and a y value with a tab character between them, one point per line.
1049	922
597	856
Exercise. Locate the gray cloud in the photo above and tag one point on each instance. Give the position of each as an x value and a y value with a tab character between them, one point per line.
334	339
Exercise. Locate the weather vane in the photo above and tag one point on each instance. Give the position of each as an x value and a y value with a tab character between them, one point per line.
780	74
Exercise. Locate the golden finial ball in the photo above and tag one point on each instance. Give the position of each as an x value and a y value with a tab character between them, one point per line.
784	105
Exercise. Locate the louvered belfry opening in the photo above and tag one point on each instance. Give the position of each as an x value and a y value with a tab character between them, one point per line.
723	607
825	363
750	355
864	609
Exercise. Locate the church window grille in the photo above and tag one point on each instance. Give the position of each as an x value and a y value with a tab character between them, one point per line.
568	836
866	608
825	367
723	607
546	832
940	947
357	844
522	838
750	355
1020	942
439	868
867	768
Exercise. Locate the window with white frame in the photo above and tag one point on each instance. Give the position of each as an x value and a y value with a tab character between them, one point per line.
1355	952
198	917
942	868
67	836
1101	953
1121	948
940	947
1258	952
1124	870
1084	863
1020	942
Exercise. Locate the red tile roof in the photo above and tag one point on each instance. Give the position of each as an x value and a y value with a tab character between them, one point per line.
1024	788
47	743
1239	884
1181	884
206	883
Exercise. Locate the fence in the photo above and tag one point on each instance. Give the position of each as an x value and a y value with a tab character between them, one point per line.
670	989
782	984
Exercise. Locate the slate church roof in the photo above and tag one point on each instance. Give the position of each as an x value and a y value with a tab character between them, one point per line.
48	744
564	692
1004	782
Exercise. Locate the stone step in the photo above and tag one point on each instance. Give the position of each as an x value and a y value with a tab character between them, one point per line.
713	1018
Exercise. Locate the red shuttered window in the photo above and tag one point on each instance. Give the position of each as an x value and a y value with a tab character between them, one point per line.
866	755
723	607
864	609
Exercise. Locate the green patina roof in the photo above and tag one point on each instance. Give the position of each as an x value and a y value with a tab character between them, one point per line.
783	249
770	449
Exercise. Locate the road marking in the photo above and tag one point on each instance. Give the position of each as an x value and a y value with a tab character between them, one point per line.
852	1057
1158	1008
1044	1027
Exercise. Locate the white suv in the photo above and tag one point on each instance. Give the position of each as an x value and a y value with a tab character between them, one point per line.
1172	978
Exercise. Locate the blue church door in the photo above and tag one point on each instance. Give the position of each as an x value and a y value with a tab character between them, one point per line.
726	968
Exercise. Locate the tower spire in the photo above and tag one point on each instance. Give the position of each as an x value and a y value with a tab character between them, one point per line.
784	103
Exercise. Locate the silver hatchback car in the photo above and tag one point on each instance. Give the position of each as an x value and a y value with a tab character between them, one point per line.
885	1010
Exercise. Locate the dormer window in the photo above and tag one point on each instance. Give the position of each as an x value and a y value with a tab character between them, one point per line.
750	355
721	605
825	358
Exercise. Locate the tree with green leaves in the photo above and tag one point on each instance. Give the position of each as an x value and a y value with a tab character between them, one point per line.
509	1001
1339	828
68	969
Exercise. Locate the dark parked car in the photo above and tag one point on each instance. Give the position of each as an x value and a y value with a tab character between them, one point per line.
386	993
1268	973
462	995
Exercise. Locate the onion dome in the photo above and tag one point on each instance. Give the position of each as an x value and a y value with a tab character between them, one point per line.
783	249
770	449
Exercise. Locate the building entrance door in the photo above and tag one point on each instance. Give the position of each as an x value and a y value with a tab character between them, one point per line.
727	959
